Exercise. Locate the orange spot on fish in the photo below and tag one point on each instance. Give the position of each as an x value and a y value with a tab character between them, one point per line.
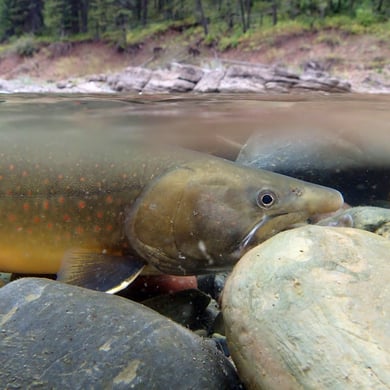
11	167
29	193
61	200
97	229
29	231
79	230
82	179
82	204
109	199
66	218
60	176
1	177
109	228
11	217
9	192
46	181
50	225
46	204
99	214
19	228
26	206
36	219
24	173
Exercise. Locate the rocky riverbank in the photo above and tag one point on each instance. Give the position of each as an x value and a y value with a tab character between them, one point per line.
178	78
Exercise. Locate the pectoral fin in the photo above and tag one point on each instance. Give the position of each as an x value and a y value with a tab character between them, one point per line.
98	271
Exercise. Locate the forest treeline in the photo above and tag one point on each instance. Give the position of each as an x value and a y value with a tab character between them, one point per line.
100	18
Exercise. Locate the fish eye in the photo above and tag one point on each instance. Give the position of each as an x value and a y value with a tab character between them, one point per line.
266	198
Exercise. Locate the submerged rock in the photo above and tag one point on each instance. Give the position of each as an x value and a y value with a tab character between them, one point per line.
184	307
372	219
360	172
59	336
309	309
4	278
213	284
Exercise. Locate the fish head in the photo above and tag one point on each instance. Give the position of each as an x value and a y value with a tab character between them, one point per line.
203	216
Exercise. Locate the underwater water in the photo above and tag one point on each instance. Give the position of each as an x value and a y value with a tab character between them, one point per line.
342	141
69	169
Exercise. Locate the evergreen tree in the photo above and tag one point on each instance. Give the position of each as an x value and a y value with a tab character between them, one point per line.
34	21
103	16
20	17
57	15
6	27
116	17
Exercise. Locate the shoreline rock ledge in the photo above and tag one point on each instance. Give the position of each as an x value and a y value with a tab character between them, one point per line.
234	79
179	78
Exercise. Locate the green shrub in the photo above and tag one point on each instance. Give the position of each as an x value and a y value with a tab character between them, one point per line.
365	17
210	39
226	43
328	39
25	46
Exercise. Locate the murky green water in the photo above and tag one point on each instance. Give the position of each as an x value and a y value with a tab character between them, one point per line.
215	123
187	117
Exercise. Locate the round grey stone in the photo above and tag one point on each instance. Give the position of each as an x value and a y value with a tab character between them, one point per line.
56	336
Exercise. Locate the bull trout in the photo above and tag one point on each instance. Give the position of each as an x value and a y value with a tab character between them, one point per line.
105	208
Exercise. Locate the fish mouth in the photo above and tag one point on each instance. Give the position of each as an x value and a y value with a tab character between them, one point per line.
244	244
249	236
249	241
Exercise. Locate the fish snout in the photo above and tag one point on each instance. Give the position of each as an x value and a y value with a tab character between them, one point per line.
320	199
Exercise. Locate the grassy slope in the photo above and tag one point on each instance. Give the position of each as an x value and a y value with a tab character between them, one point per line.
345	49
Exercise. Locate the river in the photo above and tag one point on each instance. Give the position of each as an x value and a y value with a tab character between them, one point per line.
214	123
190	118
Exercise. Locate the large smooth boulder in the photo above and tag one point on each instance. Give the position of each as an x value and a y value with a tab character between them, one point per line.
210	81
321	81
64	337
131	79
310	309
187	72
243	79
168	81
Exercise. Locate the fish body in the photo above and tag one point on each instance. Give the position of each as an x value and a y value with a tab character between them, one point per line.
74	196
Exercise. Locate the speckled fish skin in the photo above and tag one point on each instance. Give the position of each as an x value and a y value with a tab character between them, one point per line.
183	212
